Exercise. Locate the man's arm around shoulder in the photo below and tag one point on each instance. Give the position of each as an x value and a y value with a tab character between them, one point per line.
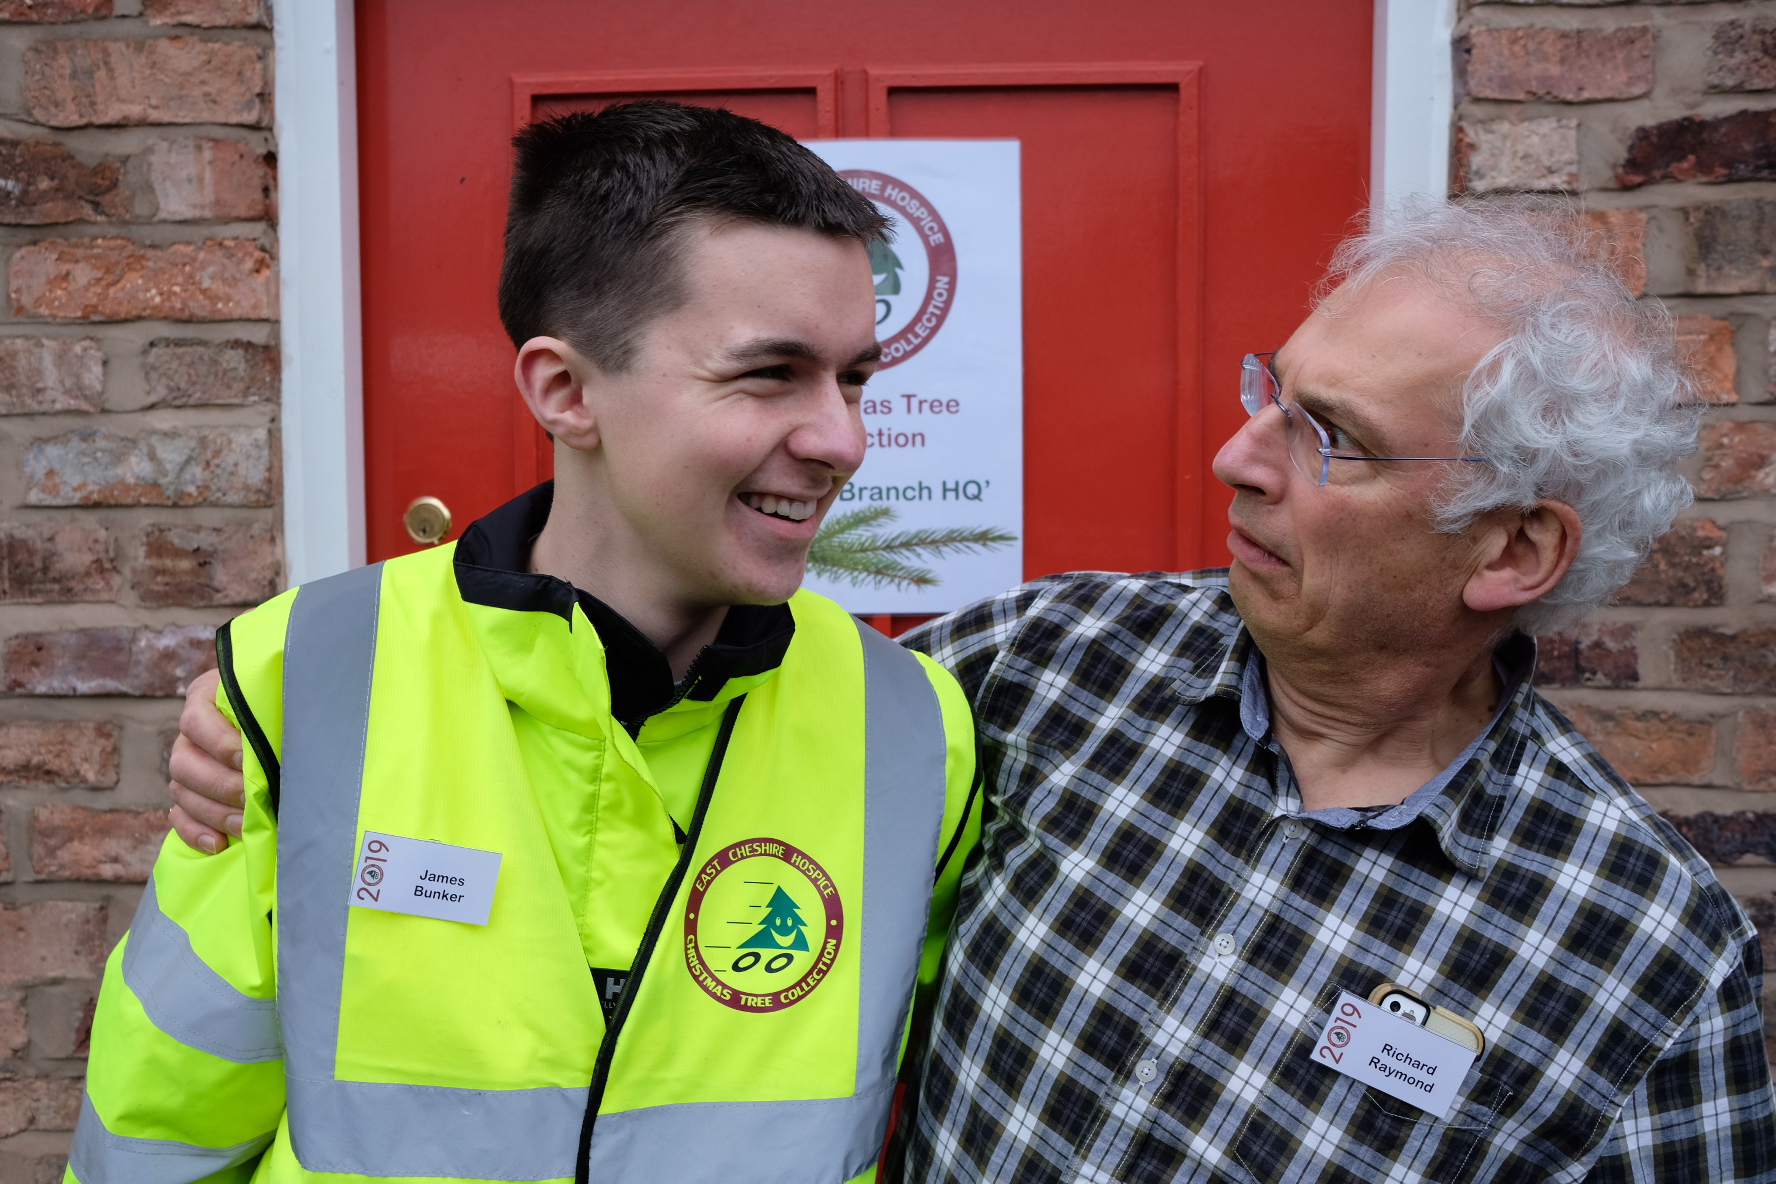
186	1076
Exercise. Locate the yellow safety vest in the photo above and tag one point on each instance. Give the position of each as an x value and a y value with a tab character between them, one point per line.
764	1015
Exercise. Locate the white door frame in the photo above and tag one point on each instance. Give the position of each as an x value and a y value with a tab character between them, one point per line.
321	331
322	415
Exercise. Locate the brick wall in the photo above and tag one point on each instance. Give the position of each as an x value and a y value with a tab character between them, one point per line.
138	472
1662	118
138	450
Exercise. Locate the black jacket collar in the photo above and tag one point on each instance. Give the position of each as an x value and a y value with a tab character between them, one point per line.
492	569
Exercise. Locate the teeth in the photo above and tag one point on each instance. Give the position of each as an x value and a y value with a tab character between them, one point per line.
781	507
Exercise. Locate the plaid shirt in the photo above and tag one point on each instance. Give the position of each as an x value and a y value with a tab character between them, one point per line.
1154	932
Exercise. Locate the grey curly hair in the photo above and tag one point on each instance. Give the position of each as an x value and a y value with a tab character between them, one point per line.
1583	401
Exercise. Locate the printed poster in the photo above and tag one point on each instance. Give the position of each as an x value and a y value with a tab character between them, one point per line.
934	519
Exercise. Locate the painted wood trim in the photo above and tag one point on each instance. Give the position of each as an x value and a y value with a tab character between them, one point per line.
320	332
1414	99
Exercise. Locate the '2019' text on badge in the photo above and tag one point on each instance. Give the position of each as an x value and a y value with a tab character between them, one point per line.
1392	1055
425	879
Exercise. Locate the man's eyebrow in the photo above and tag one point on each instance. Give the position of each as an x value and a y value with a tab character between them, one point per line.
1345	415
765	350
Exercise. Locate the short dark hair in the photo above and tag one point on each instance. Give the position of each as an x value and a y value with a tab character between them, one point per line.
600	201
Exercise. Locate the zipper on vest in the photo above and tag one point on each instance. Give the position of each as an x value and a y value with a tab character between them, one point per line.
607	1050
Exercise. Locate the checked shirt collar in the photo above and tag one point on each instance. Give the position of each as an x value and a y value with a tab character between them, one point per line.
1459	804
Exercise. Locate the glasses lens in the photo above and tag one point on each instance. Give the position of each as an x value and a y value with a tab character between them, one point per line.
1306	437
1256	384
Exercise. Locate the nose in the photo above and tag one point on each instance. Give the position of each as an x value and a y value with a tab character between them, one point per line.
1256	458
832	432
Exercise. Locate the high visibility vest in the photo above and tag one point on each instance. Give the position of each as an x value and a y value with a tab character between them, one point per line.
759	1032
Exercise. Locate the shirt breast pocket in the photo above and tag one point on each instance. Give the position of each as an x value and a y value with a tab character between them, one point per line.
1311	1123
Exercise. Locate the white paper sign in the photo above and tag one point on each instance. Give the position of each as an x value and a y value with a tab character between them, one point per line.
944	414
425	879
1393	1055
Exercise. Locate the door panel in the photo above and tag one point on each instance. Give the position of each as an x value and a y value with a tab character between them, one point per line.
1110	179
1175	214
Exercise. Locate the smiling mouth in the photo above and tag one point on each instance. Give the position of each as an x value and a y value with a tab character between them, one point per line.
784	508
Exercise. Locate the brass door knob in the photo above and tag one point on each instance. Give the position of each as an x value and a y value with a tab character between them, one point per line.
427	521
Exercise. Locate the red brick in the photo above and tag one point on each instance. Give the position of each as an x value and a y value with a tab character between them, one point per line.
41	375
14	1035
28	1160
1731	246
1620	241
114	279
1649	747
1511	154
117	661
199	373
46	11
1705	345
1737	147
1742	55
1688	567
1738	663
1575	65
50	184
202	178
208	565
65	753
163	80
56	563
208	14
80	843
1727	838
47	941
1738	460
183	467
1589	656
1755	753
38	1103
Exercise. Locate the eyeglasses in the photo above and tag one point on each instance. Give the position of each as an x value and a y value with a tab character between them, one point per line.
1310	449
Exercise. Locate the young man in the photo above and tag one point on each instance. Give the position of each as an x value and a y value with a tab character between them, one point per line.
572	850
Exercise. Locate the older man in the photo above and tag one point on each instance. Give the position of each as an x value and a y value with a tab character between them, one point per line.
1226	805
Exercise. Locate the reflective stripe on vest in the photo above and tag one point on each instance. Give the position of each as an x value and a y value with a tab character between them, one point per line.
383	1129
189	1001
100	1157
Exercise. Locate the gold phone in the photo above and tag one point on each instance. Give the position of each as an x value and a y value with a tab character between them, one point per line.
1399	1001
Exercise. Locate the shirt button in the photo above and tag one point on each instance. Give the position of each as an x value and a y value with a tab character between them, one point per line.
1291	830
1146	1071
1224	945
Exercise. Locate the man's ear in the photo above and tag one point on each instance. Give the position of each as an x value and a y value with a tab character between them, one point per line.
553	378
1522	555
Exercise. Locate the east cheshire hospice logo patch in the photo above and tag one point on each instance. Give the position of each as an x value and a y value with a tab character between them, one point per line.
763	925
916	275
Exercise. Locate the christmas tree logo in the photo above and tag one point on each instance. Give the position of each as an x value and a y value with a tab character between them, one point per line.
886	265
781	928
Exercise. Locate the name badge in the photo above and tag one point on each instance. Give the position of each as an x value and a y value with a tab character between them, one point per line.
1393	1055
425	879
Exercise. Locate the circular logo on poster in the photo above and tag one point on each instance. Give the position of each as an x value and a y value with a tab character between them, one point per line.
915	274
763	925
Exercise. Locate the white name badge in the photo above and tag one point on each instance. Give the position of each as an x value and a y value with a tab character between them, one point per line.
425	879
1393	1055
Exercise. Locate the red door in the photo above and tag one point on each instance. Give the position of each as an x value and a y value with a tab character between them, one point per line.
1187	168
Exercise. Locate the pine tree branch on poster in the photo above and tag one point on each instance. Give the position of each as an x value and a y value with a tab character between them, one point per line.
845	549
